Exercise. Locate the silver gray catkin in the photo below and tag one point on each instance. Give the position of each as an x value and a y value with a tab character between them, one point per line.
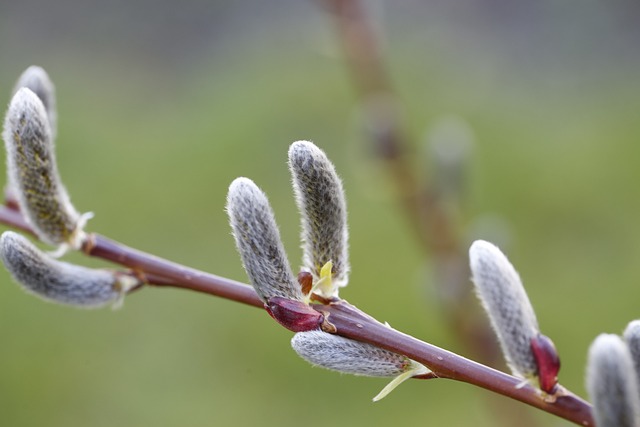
57	281
610	383
632	338
348	356
501	292
357	358
258	241
321	201
37	80
33	173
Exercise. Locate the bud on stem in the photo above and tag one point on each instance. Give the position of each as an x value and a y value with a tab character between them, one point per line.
632	339
59	281
320	199
33	174
353	357
258	241
611	383
529	354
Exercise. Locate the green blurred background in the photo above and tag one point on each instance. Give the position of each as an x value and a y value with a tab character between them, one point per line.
162	104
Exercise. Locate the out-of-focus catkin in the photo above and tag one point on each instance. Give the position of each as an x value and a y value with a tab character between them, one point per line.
611	383
33	174
37	80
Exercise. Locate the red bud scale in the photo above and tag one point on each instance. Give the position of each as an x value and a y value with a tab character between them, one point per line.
548	361
296	316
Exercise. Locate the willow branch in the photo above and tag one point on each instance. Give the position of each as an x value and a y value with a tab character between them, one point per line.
347	320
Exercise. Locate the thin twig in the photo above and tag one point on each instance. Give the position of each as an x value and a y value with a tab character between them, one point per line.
161	272
347	320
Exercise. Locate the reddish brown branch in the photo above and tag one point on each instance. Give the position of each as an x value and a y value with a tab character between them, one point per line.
348	321
351	323
162	272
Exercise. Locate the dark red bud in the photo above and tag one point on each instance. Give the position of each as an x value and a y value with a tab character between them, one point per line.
294	315
306	282
548	362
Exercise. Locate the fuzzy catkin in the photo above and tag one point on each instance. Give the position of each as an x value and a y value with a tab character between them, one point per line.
632	338
321	201
33	173
611	383
258	241
54	280
348	356
499	288
37	80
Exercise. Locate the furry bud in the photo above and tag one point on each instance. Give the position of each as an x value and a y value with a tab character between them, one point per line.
632	338
33	174
321	201
611	383
37	79
353	357
258	241
57	281
499	288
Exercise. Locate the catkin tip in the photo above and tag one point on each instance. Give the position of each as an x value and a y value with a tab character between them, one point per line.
37	80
